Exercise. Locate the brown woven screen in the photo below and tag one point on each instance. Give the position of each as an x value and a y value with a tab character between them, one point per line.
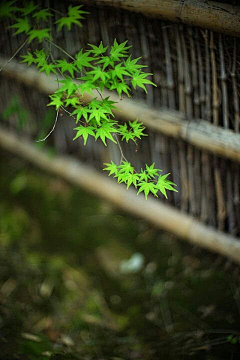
197	72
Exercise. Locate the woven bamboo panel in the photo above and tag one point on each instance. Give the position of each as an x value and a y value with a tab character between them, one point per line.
197	72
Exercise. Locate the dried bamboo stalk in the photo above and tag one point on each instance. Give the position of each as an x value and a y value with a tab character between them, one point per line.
196	107
235	92
223	78
208	111
196	100
206	168
225	114
203	13
152	210
215	89
180	67
216	104
189	114
201	76
169	69
182	107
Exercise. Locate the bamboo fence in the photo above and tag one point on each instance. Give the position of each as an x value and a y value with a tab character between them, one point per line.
192	117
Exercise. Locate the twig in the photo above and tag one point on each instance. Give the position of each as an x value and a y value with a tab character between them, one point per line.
120	148
54	125
14	54
58	47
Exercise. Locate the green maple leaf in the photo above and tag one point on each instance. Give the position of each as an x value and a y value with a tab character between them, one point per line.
132	179
97	50
143	176
123	177
29	58
6	8
108	104
84	131
98	73
43	14
131	65
68	85
39	34
74	101
137	128
81	111
87	86
126	135
120	87
67	21
118	50
64	66
152	171
147	187
112	168
118	71
83	59
40	57
126	167
75	12
48	68
99	110
56	101
22	26
139	79
104	132
30	7
163	184
98	115
106	61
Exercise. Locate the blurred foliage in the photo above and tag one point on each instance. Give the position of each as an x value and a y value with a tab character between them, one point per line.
80	280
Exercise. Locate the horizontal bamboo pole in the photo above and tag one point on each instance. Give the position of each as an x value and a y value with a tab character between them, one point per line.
207	14
152	210
200	133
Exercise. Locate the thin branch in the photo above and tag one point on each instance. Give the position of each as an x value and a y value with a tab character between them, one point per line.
54	125
120	149
14	54
58	47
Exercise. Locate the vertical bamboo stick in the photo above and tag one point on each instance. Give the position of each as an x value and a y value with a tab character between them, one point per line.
196	101
217	175
215	90
225	111
201	76
189	113
182	107
195	86
181	90
223	77
169	69
235	92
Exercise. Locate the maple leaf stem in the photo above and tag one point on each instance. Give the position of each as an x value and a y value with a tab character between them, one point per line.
59	47
66	111
16	52
120	149
56	11
54	125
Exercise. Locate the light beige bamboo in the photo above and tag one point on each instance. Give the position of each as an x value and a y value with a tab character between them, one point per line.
203	13
152	210
200	133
